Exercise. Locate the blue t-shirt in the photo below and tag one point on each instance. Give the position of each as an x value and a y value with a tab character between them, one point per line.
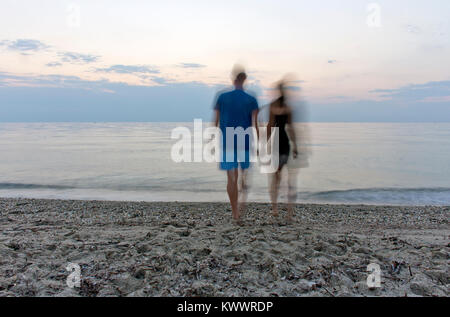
235	108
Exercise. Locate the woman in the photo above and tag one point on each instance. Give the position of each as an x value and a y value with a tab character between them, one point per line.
281	117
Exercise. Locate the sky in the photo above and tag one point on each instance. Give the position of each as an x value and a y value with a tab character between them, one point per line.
136	60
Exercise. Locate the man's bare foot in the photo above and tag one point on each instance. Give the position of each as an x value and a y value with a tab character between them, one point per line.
275	213
238	222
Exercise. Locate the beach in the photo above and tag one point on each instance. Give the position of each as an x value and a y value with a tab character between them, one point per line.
194	249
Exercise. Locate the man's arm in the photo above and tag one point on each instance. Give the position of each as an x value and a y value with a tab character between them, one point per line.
216	107
216	118
255	121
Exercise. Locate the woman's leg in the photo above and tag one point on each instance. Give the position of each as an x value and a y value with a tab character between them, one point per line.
292	192
274	188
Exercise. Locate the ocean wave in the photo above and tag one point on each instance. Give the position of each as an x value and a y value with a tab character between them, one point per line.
409	196
378	196
117	187
32	186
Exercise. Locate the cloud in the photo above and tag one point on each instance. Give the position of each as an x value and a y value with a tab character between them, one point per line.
437	99
340	98
191	65
53	64
58	98
28	46
286	87
55	81
292	88
51	98
434	90
413	29
159	80
427	102
77	58
129	69
24	45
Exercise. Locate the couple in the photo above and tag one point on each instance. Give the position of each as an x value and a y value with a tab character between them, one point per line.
236	109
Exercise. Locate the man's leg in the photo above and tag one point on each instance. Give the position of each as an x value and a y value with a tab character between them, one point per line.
232	189
243	191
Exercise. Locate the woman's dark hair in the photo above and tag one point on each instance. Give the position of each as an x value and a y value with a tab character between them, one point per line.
282	93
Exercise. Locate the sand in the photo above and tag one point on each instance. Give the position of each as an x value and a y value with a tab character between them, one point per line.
193	249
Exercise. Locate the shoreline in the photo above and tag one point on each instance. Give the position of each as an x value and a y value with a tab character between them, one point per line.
349	204
192	249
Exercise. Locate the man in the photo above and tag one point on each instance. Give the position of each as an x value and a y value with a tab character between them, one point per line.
236	109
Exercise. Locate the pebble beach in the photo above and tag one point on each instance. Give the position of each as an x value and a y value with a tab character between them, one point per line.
194	249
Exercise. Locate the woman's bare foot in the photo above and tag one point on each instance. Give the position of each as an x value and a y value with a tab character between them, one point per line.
289	216
238	222
242	209
274	213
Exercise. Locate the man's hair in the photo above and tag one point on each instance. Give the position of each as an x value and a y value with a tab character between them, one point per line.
238	73
241	77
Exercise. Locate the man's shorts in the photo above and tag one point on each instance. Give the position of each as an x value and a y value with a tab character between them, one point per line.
234	163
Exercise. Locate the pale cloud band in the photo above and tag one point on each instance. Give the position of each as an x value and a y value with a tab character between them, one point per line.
24	45
77	58
191	65
39	98
129	69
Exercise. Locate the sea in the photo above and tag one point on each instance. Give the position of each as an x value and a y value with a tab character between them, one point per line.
344	163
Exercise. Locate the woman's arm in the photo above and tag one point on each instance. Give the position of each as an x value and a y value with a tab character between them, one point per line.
255	121
291	132
271	122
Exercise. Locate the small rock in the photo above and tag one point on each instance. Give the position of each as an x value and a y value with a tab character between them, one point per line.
363	289
362	250
69	292
419	285
305	286
439	255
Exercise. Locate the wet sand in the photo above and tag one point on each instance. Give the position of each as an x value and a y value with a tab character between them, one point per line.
193	249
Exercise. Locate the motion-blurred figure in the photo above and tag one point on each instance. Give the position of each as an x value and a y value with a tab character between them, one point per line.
236	109
280	116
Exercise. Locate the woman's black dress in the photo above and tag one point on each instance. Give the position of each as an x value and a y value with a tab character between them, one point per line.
284	147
